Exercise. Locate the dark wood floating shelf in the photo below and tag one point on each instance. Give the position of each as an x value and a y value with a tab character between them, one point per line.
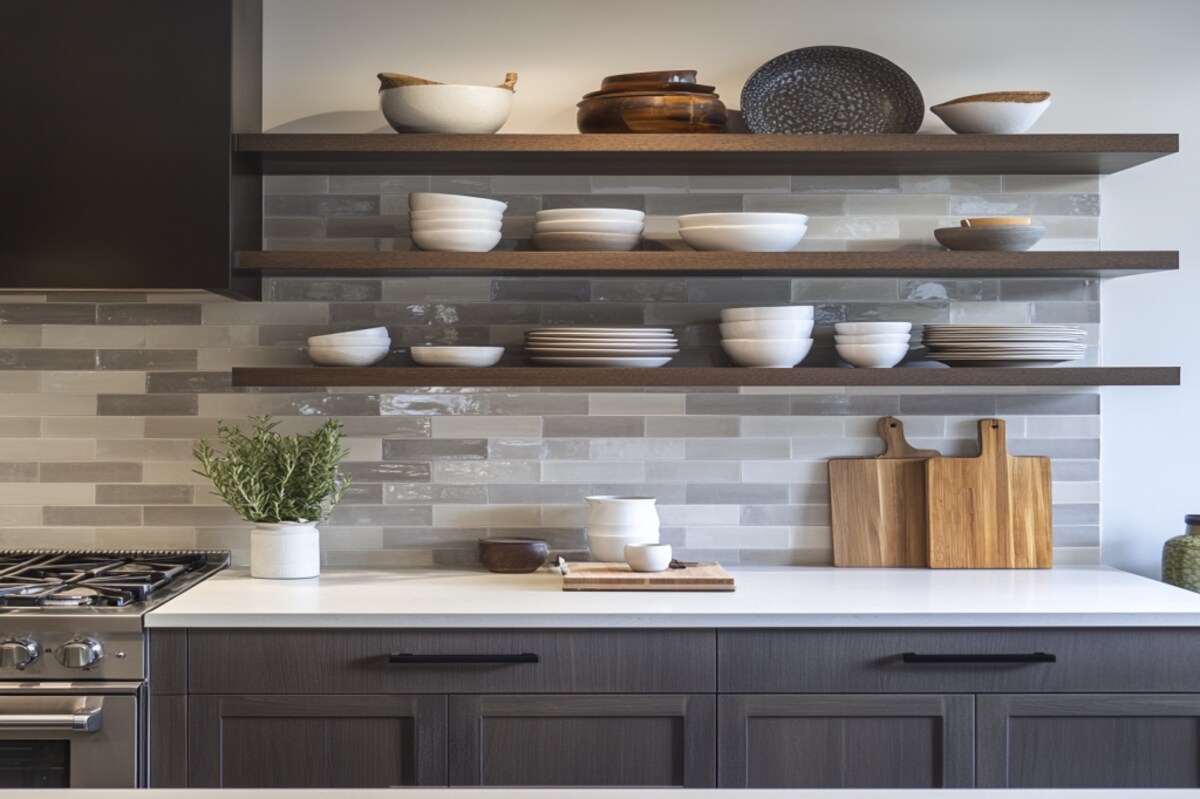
413	376
675	262
704	154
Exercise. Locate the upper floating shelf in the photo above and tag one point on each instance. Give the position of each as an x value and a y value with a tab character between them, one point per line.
699	154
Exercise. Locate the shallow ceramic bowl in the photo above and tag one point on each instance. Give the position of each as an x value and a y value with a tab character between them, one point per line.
871	328
994	112
446	108
769	312
873	338
456	356
768	328
434	201
422	225
762	353
873	356
586	242
456	215
738	219
589	226
461	240
743	238
513	555
559	214
1010	238
343	355
368	336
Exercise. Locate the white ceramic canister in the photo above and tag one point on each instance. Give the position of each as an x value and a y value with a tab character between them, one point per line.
285	551
614	522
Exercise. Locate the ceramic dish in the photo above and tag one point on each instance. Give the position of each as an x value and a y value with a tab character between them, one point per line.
348	355
873	338
767	353
476	240
590	226
767	328
743	238
627	362
831	90
623	331
556	214
741	218
873	356
434	201
994	112
456	214
1007	238
457	356
445	108
767	312
433	226
586	242
871	328
513	555
367	336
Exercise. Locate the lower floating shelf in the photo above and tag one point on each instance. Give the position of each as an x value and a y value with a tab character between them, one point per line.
417	376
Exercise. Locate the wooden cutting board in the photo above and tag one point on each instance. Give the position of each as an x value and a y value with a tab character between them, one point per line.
989	512
619	577
878	504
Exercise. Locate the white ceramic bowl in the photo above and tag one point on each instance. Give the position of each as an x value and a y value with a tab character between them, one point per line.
768	328
559	214
453	224
446	108
368	336
342	355
589	226
648	557
456	356
995	112
462	240
779	353
871	328
456	214
433	201
872	356
743	238
873	338
741	218
578	241
770	312
611	548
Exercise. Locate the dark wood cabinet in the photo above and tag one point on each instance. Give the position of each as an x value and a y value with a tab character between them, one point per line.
847	741
316	741
583	740
1089	741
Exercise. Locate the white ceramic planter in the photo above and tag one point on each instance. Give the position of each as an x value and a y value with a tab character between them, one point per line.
614	522
285	551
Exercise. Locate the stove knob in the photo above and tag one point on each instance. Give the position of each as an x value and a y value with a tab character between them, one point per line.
81	654
18	654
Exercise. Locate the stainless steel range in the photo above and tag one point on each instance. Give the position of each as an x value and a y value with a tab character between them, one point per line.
73	661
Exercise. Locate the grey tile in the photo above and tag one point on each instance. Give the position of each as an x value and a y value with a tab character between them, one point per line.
950	405
740	184
436	314
391	472
737	494
634	202
148	313
71	516
191	516
90	472
437	289
809	493
1073	448
676	204
1075	471
427	537
1076	536
635	290
435	449
737	405
593	426
456	404
538	449
541	290
433	493
380	515
750	290
1066	204
692	426
385	226
665	493
641	449
1083	513
785	515
638	184
145	405
21	313
896	205
142	360
844	289
968	290
310	290
320	205
1058	184
295	184
536	404
1051	289
489	471
541	184
188	382
18	472
375	184
694	471
950	184
47	359
592	314
1080	313
363	494
737	449
990	204
1048	404
845	184
145	494
844	405
809	204
539	494
786	557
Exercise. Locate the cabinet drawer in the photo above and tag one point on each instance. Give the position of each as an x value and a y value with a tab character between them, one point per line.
451	661
958	661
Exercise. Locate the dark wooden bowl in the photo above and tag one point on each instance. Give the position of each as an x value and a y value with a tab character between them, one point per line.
653	87
661	76
638	112
513	555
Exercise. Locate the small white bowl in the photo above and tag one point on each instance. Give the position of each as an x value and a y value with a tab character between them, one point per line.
994	112
368	336
434	201
455	216
741	219
559	214
456	356
769	312
873	338
611	548
871	328
446	108
343	355
648	557
462	240
768	328
767	353
579	241
872	356
743	238
421	226
589	226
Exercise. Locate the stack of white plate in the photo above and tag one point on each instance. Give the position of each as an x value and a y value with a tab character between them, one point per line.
872	345
743	232
453	222
1004	345
778	337
644	347
588	229
352	348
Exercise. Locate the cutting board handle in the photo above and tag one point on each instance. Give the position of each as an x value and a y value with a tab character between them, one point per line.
992	441
895	445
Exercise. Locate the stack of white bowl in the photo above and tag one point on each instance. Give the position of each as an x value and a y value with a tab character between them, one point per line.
743	232
454	223
778	337
873	345
352	348
588	229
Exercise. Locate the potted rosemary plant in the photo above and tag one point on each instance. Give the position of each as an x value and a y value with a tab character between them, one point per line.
284	485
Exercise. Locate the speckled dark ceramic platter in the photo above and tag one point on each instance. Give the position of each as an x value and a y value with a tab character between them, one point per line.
831	90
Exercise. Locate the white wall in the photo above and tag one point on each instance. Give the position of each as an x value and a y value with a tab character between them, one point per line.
1113	66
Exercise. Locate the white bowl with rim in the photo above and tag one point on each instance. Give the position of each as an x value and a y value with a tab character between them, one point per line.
627	227
436	201
761	353
455	215
743	238
741	218
446	108
873	338
871	328
872	356
345	355
432	355
364	337
993	112
461	240
559	214
420	226
768	328
752	314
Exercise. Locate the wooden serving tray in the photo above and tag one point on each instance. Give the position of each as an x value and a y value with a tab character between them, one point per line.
619	577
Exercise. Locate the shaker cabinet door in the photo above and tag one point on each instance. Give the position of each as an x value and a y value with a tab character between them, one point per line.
583	740
317	741
847	741
1089	741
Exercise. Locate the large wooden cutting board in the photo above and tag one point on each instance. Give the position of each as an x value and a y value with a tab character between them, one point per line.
878	504
619	577
990	512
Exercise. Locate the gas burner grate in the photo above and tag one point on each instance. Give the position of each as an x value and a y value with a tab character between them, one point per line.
65	579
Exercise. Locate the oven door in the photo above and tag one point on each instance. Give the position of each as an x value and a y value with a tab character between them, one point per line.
69	736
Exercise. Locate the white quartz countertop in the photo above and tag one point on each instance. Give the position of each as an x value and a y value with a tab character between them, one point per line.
613	793
1075	596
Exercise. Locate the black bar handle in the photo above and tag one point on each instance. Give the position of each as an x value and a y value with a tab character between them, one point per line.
406	658
1031	657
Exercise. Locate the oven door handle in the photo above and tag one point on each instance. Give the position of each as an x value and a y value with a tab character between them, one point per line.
87	719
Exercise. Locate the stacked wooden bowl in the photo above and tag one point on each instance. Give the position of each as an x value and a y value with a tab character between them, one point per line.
652	102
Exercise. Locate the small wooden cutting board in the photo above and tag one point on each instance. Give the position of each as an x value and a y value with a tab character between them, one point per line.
619	577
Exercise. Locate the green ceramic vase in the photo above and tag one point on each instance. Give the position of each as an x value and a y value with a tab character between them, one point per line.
1181	556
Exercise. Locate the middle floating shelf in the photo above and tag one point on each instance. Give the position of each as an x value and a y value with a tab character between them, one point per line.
909	263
